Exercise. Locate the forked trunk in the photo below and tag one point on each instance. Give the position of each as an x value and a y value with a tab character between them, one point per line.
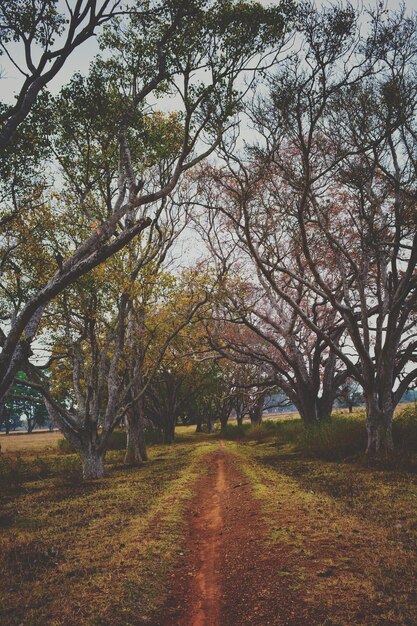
379	429
313	409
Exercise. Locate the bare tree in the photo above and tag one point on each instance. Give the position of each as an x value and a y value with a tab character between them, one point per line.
252	322
339	143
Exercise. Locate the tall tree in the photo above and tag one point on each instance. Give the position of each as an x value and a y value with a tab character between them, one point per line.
342	184
193	51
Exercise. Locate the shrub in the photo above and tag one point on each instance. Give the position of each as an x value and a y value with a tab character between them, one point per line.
284	431
68	470
335	439
405	429
153	435
117	441
232	432
65	446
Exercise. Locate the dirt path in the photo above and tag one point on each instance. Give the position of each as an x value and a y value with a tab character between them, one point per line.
229	575
205	608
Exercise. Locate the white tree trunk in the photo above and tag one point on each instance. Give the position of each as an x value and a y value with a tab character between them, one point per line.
93	464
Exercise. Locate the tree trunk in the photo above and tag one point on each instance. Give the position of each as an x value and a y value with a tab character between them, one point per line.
199	425
93	463
324	406
311	408
239	418
379	428
223	421
169	432
136	452
256	411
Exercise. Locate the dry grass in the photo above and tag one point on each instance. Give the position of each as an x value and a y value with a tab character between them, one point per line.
95	553
352	529
103	553
33	443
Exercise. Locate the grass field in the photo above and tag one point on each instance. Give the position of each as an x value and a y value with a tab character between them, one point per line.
107	553
33	443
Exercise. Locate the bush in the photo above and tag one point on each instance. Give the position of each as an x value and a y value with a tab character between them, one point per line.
405	429
117	441
232	432
68	470
65	446
336	439
285	431
153	435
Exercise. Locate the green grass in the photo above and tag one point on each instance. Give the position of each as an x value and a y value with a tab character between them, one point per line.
340	438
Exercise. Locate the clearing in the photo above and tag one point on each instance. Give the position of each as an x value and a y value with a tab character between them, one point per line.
209	532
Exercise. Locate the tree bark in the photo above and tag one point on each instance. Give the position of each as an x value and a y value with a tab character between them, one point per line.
223	421
92	463
136	452
169	432
379	428
256	411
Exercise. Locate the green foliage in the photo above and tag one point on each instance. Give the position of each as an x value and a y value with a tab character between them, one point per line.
117	441
23	399
285	432
341	437
233	432
68	471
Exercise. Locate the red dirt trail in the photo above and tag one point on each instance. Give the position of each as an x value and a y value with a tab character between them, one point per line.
229	574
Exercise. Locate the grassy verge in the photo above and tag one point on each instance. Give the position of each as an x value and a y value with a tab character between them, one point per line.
98	553
352	531
342	437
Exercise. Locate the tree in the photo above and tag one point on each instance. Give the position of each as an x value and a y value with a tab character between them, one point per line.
196	51
352	177
36	26
340	196
163	308
23	400
253	324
